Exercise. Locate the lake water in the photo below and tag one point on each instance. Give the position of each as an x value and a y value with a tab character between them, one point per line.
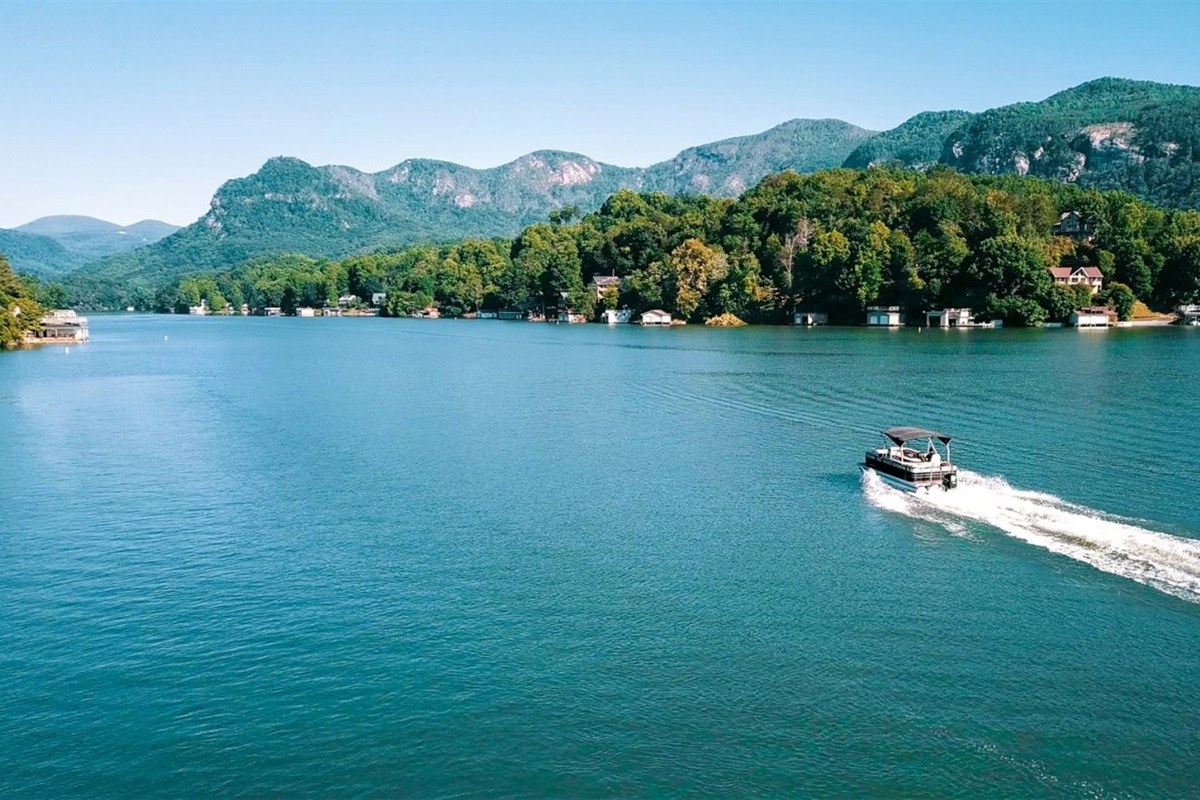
452	558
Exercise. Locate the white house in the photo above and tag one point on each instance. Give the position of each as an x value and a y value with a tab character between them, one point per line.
1071	276
654	316
1188	314
378	299
884	316
810	319
1090	317
615	316
950	318
305	311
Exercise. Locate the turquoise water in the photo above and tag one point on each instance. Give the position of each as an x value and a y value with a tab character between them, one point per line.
449	558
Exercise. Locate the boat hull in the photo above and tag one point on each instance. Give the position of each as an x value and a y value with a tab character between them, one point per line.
903	485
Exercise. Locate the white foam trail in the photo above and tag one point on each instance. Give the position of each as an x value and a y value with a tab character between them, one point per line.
1113	544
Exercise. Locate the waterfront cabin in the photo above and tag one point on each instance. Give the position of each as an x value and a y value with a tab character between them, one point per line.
1071	276
511	314
655	316
1071	225
1188	314
950	318
884	316
486	314
329	311
305	311
201	310
62	326
569	317
617	316
378	299
602	282
1090	317
347	300
272	311
810	319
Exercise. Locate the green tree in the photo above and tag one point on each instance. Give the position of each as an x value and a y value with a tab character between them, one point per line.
694	265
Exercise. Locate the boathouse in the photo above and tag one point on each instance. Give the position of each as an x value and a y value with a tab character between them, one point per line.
617	316
1188	314
884	316
62	326
655	316
1090	317
809	319
950	318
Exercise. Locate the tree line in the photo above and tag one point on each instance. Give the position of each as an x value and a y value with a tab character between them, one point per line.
833	241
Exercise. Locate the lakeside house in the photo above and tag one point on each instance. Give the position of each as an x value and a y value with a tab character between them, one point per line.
61	326
617	316
429	312
378	299
1072	225
271	311
201	310
602	282
884	316
327	311
512	314
1072	276
655	316
305	311
485	314
810	319
1090	317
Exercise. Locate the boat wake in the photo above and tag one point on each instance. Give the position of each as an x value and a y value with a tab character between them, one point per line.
1113	544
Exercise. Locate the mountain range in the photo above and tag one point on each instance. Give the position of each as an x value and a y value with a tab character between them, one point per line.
1110	133
52	246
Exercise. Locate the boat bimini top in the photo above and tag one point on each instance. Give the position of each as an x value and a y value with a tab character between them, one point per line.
902	435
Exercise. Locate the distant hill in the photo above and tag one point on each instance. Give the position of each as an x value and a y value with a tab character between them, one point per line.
38	255
1109	133
91	239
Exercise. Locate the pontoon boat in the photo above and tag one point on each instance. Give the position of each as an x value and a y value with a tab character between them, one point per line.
911	469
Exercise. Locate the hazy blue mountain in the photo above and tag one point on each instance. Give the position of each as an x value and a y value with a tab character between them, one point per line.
92	239
39	255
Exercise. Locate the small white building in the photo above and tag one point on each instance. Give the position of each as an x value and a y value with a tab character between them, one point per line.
655	316
1188	314
950	318
617	316
272	311
885	316
305	311
810	319
347	300
378	299
200	310
485	314
1090	317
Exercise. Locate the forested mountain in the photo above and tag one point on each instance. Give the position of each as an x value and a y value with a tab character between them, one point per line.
915	143
834	241
1108	134
59	244
38	255
289	205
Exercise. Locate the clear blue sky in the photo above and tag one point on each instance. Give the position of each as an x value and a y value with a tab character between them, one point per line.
128	111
